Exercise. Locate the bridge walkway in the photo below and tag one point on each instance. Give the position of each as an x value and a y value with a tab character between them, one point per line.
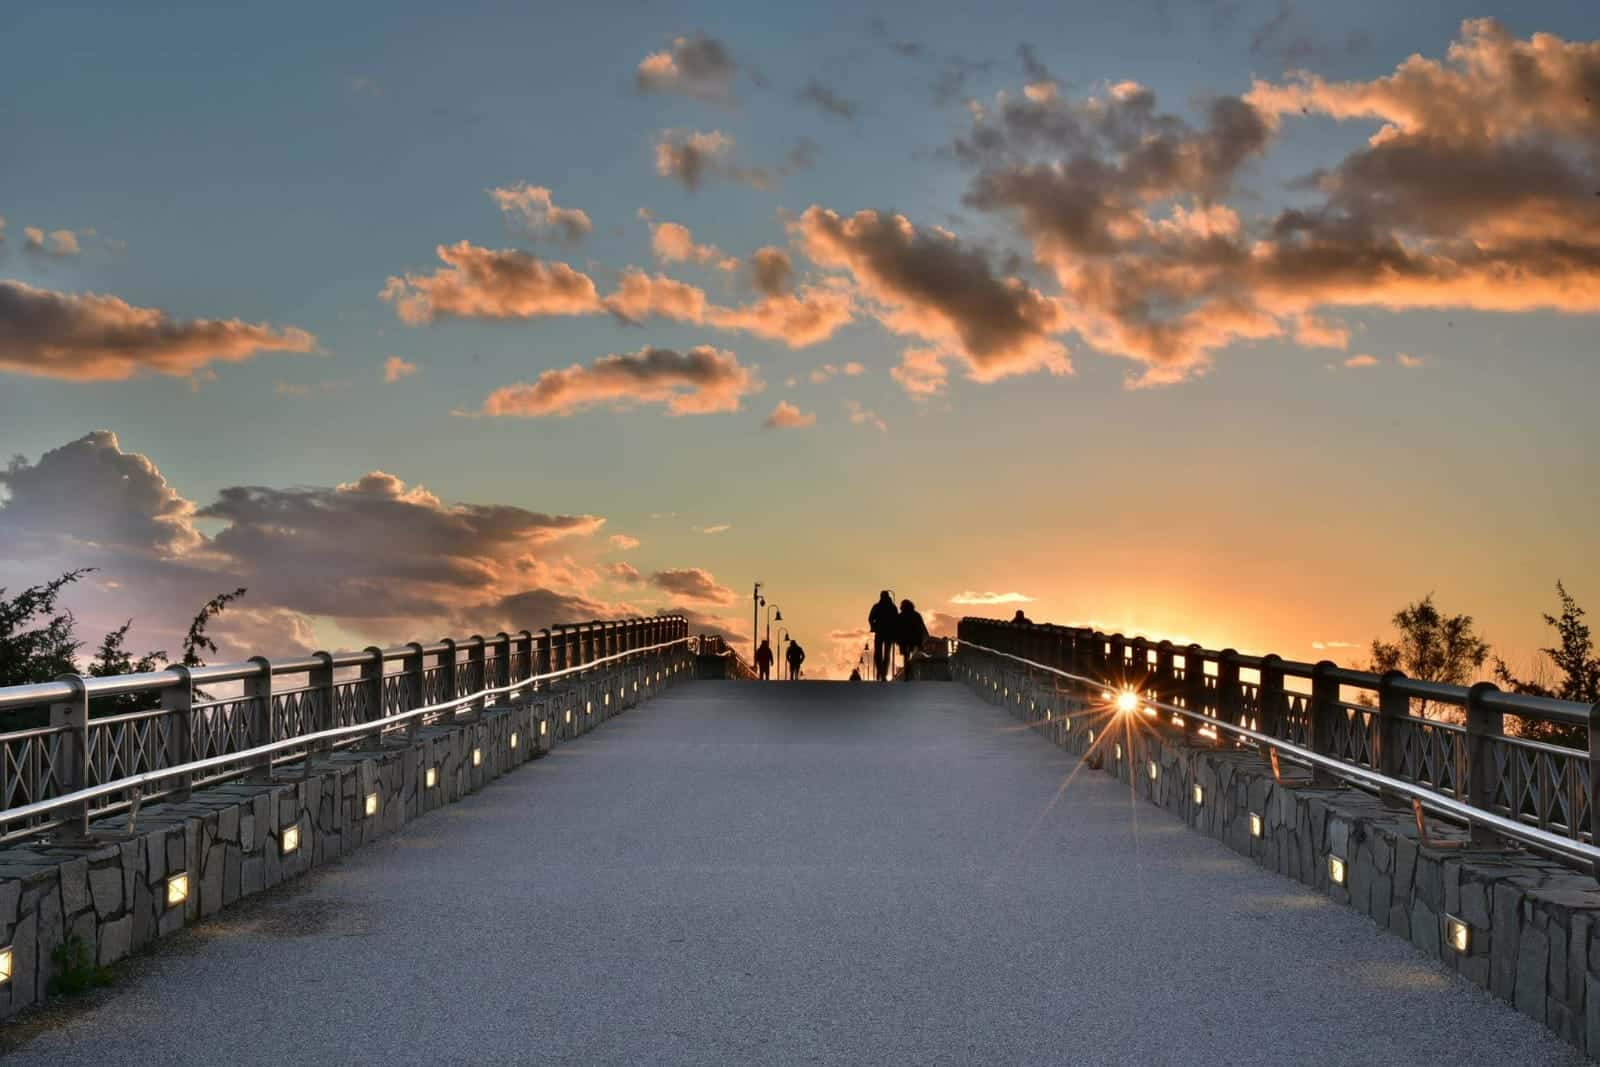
807	873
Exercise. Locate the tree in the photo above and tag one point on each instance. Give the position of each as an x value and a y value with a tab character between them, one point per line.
1578	667
196	641
1432	647
113	658
36	638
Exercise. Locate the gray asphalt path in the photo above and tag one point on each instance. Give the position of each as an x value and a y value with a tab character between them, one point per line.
813	873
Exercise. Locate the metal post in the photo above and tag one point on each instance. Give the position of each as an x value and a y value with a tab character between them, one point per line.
1230	692
1194	679
264	716
72	760
177	701
1485	727
1320	710
1594	779
1394	708
372	678
1271	698
320	678
476	677
416	667
446	662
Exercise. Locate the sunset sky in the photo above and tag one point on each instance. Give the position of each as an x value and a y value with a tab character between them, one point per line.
1238	322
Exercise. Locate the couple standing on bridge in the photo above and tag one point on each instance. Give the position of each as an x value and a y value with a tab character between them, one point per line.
891	629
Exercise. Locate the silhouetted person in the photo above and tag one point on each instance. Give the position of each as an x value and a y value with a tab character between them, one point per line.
796	656
764	661
910	632
1020	619
855	674
883	621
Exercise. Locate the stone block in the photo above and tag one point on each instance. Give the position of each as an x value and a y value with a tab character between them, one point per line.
1504	950
230	873
211	879
24	960
1533	965
1558	959
1405	866
1475	905
105	888
75	887
228	824
1425	929
115	940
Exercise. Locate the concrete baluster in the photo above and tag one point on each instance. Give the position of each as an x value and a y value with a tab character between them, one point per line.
177	700
372	678
71	717
1485	729
266	717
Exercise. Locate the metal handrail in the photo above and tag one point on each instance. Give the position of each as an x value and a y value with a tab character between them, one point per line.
82	796
37	693
1439	803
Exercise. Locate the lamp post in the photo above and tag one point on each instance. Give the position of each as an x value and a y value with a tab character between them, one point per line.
756	600
783	639
771	608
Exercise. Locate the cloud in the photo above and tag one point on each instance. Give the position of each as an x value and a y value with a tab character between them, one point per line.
1361	361
94	337
786	416
931	285
395	368
827	101
1321	645
692	583
971	597
1476	190
494	284
59	243
690	156
639	296
624	543
384	561
921	372
674	243
799	320
772	271
1313	332
862	416
827	371
698	382
533	209
1409	361
700	67
714	528
624	572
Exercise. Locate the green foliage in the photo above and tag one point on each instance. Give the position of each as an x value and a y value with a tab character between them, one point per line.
36	638
1574	660
113	658
76	970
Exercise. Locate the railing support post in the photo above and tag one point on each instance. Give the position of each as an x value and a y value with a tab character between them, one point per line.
1230	691
1393	709
1485	727
447	675
415	666
475	673
72	761
1594	779
372	679
320	678
1320	710
1194	679
178	702
263	716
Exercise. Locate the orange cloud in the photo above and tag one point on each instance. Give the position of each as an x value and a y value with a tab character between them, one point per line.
931	285
1361	361
921	372
395	368
698	66
693	583
487	283
95	337
698	382
674	243
623	542
786	416
532	207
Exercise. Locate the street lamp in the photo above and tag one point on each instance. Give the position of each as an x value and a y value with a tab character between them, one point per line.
756	600
783	639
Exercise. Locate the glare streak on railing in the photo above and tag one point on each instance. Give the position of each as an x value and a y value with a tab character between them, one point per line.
1498	784
54	775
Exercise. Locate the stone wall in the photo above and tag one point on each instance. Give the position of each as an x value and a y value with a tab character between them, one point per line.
232	840
1533	924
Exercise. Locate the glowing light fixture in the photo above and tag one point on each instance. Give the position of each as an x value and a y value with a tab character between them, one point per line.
544	727
569	716
372	805
289	840
1118	749
1148	710
588	707
1091	737
1105	694
430	777
477	757
1177	720
1154	770
1336	870
1458	933
5	964
1127	701
1199	796
513	740
1255	825
177	889
1067	722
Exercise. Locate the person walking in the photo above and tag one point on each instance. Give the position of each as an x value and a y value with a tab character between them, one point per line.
883	620
796	656
910	633
764	661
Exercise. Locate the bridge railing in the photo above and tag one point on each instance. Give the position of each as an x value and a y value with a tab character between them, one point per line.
734	665
114	742
1446	746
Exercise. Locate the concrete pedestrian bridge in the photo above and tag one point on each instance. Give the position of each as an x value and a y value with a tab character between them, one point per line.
1004	869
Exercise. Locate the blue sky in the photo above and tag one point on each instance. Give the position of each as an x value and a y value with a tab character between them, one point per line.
278	165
